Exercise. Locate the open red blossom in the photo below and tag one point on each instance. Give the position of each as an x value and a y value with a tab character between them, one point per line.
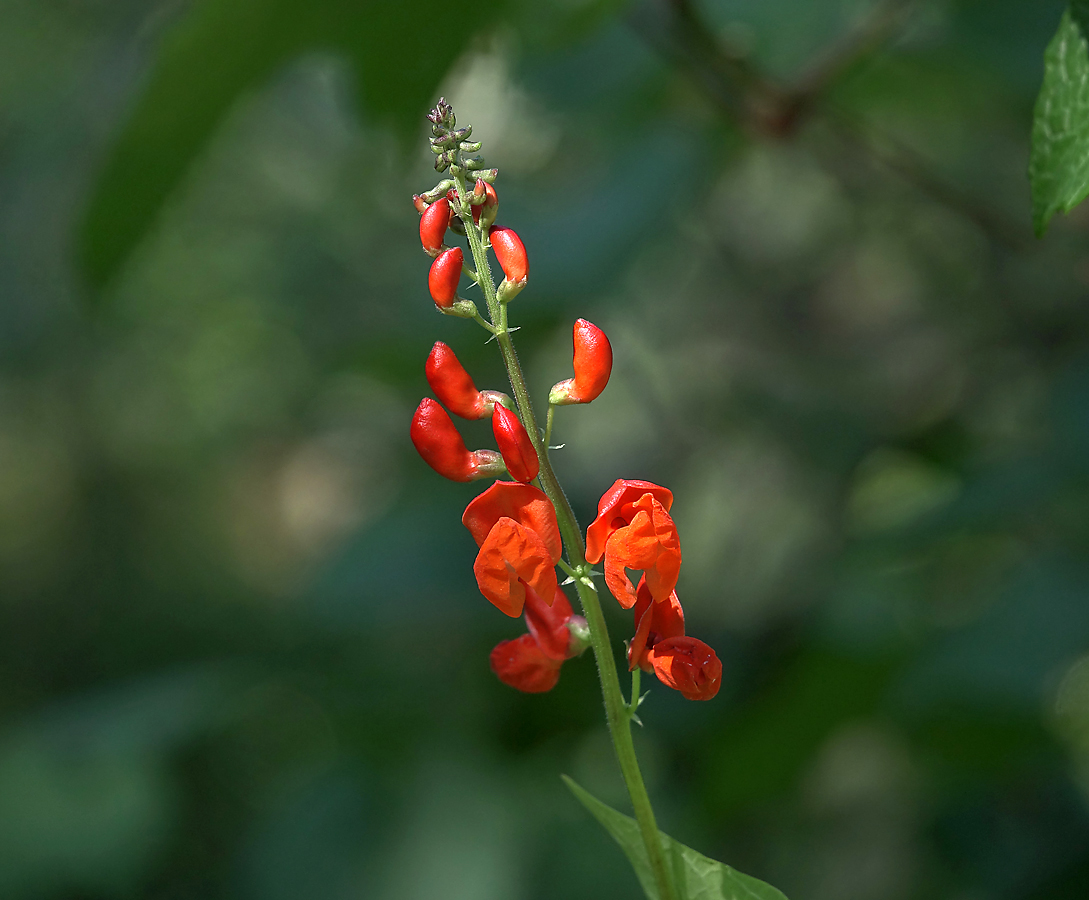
531	663
514	443
454	386
525	504
654	622
522	665
512	557
687	665
616	509
649	543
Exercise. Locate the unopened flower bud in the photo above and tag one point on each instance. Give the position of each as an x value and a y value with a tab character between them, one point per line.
593	363
444	276
515	445
420	204
454	386
437	440
433	225
511	254
486	208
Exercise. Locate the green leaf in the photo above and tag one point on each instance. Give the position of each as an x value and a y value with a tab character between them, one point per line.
695	876
223	48
1059	165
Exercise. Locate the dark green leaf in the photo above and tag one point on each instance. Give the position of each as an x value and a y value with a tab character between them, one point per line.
695	876
224	48
1059	166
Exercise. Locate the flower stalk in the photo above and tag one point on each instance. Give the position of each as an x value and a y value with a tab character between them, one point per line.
619	713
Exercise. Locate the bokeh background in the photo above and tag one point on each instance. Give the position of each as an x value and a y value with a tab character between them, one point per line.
242	654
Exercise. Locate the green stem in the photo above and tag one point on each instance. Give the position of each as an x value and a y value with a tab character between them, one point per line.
616	709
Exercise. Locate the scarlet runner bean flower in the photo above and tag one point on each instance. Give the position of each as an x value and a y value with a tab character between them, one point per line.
519	538
653	622
511	254
515	445
484	213
443	279
593	363
454	386
433	224
633	530
531	663
437	440
687	665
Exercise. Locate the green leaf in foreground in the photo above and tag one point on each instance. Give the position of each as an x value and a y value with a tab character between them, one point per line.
695	876
1059	165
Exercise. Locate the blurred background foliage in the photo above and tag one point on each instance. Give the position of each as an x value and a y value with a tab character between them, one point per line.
242	654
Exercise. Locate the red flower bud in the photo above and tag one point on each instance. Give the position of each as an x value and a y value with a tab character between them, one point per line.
515	445
521	664
593	364
511	254
433	225
437	440
420	204
444	277
687	665
489	207
454	386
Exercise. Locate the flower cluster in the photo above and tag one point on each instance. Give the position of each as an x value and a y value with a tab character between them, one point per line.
514	523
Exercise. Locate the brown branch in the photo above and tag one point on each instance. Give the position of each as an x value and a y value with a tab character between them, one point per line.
768	109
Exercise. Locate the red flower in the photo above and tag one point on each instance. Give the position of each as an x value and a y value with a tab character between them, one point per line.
515	445
437	440
593	363
522	665
511	253
523	503
512	557
444	276
454	386
633	530
687	665
654	622
433	224
531	663
515	527
490	206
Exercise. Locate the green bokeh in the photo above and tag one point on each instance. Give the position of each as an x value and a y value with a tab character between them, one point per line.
242	653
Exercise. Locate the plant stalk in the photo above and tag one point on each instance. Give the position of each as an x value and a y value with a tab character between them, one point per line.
616	710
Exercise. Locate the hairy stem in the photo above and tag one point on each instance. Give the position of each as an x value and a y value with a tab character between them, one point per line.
616	709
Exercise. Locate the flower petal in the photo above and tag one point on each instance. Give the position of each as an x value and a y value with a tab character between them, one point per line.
654	622
548	624
522	665
649	544
521	502
687	665
615	509
510	555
